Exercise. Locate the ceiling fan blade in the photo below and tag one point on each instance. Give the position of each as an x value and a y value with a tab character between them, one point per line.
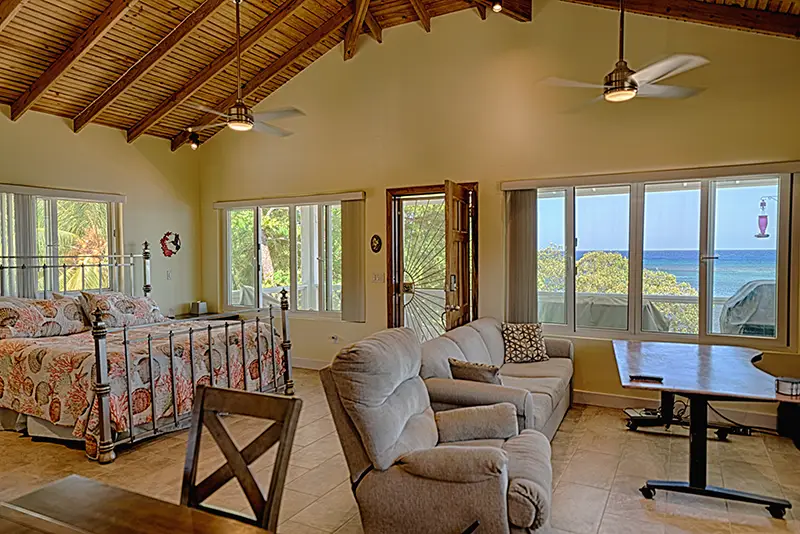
206	127
283	113
272	130
666	68
667	91
580	107
560	82
209	110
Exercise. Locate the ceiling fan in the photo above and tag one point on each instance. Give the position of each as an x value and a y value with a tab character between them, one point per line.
240	117
623	83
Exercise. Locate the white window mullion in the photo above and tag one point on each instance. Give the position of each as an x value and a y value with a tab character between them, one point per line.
636	259
569	274
707	195
321	258
258	278
293	257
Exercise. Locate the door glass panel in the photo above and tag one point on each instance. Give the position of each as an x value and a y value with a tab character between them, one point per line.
275	254
602	221
671	274
743	238
242	257
551	261
423	246
307	258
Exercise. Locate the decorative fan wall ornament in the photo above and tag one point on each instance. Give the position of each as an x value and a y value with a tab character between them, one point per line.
375	243
170	244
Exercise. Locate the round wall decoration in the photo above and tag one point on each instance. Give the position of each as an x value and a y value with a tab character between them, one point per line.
170	244
375	243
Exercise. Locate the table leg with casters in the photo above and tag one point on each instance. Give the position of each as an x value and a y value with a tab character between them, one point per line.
698	429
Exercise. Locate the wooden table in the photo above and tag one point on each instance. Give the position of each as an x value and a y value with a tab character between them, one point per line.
701	373
77	505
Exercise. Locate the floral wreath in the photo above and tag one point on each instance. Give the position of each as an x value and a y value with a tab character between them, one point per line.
170	244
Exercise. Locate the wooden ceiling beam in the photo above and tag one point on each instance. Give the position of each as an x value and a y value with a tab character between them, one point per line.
96	30
481	9
212	69
521	11
8	10
422	14
342	17
354	27
146	63
375	29
720	15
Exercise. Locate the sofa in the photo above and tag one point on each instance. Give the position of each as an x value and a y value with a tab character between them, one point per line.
540	391
416	471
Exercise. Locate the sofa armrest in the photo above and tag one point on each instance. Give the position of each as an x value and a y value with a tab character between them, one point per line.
457	464
495	421
559	348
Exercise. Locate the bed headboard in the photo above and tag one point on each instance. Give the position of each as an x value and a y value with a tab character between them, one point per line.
41	276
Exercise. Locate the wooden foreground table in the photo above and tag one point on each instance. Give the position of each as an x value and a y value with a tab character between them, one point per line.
701	373
77	505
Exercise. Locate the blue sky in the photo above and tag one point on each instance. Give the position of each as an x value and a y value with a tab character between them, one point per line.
672	220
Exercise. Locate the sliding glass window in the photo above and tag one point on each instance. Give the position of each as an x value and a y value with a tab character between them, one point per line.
700	258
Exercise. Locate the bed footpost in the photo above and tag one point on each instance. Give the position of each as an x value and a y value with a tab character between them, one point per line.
286	344
146	288
102	390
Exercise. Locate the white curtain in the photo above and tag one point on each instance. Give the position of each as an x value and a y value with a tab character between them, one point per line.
521	256
354	261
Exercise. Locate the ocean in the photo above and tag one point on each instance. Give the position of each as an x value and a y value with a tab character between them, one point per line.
732	270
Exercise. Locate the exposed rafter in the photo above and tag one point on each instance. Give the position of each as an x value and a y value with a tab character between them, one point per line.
146	63
720	15
481	9
96	30
8	10
354	27
422	14
374	27
519	10
214	68
342	17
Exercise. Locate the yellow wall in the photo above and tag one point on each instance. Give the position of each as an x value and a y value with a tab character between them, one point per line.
462	103
162	188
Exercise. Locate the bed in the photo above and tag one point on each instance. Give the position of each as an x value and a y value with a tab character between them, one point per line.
108	386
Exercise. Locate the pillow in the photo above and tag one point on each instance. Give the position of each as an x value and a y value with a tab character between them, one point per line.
119	310
21	317
523	343
476	372
78	300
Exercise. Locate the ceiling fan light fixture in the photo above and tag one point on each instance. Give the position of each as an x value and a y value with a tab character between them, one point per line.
194	141
619	95
240	118
497	6
619	85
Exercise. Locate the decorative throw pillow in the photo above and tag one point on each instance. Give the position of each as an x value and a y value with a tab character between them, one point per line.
477	372
524	343
119	310
20	317
78	301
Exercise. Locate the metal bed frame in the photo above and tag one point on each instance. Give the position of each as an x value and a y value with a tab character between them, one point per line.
21	279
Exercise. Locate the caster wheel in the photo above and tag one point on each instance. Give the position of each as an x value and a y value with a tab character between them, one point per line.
647	493
776	511
722	435
631	425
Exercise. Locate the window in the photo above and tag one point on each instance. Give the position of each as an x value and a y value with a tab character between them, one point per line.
699	258
57	228
298	248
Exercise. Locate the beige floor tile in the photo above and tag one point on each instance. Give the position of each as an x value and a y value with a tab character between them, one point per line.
635	507
293	502
645	464
314	431
317	452
578	508
751	477
323	478
352	527
607	443
331	511
617	524
291	527
558	469
591	468
691	525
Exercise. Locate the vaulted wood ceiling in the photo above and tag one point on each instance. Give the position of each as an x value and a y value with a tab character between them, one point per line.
145	66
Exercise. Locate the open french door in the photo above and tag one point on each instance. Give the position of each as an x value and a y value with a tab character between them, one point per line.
459	213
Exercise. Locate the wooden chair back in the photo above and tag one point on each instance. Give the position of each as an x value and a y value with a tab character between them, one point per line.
209	403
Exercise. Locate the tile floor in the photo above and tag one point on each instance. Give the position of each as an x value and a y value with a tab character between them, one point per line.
598	467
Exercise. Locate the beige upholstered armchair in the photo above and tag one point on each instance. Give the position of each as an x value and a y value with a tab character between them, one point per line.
413	471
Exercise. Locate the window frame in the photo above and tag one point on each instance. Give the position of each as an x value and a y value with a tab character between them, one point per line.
323	273
787	246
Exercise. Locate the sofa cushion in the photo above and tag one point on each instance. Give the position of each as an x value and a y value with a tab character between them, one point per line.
471	344
435	353
380	388
553	387
552	368
530	478
475	372
491	332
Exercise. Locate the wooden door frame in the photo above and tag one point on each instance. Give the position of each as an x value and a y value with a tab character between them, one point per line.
391	246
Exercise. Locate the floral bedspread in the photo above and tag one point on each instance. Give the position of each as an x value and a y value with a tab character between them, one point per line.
51	378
